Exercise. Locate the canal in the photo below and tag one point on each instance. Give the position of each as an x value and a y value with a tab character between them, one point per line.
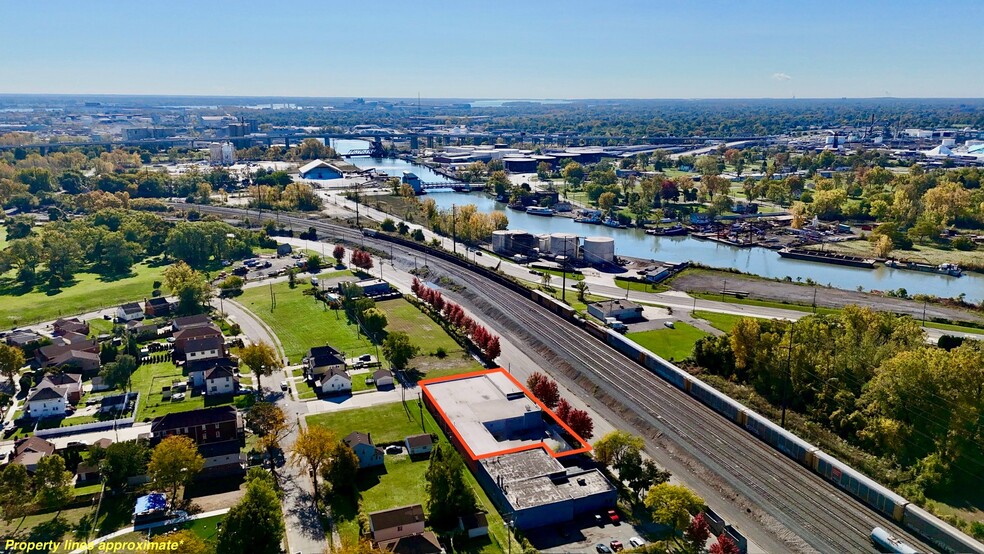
636	244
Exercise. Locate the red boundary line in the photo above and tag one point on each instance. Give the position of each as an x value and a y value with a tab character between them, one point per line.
585	447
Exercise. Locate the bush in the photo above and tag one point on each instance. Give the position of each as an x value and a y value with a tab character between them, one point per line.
417	235
388	225
441	353
963	243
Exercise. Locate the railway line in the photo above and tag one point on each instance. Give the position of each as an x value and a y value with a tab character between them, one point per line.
825	518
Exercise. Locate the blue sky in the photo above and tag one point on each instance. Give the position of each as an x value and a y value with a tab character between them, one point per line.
496	49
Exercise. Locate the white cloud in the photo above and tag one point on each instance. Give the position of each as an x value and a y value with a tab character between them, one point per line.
781	77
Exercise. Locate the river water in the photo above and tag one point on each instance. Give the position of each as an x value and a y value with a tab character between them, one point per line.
635	243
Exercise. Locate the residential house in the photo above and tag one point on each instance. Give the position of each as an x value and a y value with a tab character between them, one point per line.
334	381
116	403
129	312
47	402
396	522
86	473
99	384
475	525
322	359
205	348
620	309
188	334
218	432
196	369
73	325
71	383
28	451
221	380
189	322
418	445
142	331
23	339
369	454
69	337
84	355
157	307
383	378
421	543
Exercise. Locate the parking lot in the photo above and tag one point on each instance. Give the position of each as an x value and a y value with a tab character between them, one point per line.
583	535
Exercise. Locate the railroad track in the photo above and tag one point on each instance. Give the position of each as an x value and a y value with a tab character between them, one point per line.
826	518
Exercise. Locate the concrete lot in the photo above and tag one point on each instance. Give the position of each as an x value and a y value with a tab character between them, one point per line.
582	535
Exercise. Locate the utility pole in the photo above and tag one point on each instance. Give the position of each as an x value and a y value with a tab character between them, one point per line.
563	268
454	242
785	381
814	299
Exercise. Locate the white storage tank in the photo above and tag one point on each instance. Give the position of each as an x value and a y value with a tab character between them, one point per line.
500	240
563	244
599	250
543	243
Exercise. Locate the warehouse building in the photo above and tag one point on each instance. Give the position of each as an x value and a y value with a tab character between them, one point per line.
531	464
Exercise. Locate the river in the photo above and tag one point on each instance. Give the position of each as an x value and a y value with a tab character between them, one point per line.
636	244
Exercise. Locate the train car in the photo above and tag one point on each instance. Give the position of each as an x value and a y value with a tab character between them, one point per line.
666	370
890	543
937	532
715	400
861	487
779	438
552	304
624	346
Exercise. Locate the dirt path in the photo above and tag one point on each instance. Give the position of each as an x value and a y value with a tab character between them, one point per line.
763	289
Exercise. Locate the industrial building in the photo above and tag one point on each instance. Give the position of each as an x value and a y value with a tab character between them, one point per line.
529	462
621	309
598	250
222	153
509	242
320	170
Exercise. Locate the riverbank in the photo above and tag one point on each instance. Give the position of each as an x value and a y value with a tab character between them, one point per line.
931	254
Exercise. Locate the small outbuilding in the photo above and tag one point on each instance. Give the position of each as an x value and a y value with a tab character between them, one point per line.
619	308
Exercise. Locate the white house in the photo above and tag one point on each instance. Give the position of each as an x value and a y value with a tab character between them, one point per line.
204	348
323	359
47	402
221	380
383	378
361	443
419	444
334	381
129	312
397	522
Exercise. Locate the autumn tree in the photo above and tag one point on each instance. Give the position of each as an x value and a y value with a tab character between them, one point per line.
697	532
610	448
268	422
190	286
187	542
673	504
543	388
174	463
261	359
11	360
374	322
52	483
15	487
607	201
341	469
314	447
339	254
724	545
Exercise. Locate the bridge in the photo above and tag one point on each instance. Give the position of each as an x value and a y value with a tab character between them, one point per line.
453	185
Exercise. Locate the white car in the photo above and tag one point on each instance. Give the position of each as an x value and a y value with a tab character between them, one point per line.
636	542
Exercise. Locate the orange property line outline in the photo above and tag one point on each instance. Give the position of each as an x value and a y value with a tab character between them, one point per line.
585	447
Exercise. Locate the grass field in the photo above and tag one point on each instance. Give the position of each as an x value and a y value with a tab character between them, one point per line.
429	337
385	422
640	287
300	322
559	273
724	322
148	380
673	344
90	292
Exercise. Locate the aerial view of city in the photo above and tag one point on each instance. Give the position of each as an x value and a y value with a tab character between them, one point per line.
425	278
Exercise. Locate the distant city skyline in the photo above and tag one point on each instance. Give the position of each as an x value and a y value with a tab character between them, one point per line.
507	49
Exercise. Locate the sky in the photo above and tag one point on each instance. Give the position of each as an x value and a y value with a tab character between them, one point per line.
496	49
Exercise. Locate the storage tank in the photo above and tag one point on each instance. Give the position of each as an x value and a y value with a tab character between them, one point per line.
562	244
599	250
500	241
544	242
523	243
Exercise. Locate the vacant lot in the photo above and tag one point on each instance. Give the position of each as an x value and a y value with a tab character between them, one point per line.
386	423
148	380
673	344
430	338
724	322
22	306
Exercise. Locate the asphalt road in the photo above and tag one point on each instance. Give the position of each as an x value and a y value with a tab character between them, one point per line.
780	494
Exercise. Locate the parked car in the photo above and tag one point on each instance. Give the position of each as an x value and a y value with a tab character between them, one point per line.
178	396
283	385
616	545
613	516
636	542
602	549
599	520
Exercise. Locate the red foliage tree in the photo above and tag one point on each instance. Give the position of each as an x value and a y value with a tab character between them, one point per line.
362	260
698	531
437	301
543	388
493	349
338	253
724	545
580	422
563	409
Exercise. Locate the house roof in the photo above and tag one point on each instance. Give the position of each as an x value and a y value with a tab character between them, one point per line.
421	543
416	441
194	418
405	515
356	437
335	371
53	350
70	337
103	443
67	357
197	332
382	374
21	338
474	521
206	365
617	304
204	343
63	378
115	399
47	393
219	372
84	468
223	448
190	321
131	308
323	351
33	444
73	324
326	360
158	302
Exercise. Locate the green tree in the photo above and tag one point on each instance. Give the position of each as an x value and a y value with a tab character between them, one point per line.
312	149
673	504
118	253
123	460
72	181
15	488
52	483
314	447
606	201
399	349
448	494
388	225
708	166
118	373
174	463
374	322
573	174
610	448
499	182
543	171
314	263
11	360
24	255
189	286
255	524
261	359
341	470
62	255
582	289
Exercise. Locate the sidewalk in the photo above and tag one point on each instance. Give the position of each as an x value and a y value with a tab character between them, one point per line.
144	527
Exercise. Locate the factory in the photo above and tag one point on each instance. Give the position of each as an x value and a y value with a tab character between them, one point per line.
516	242
530	463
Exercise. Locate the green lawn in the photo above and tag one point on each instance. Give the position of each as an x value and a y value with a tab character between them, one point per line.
559	273
572	300
952	327
724	322
148	380
99	326
385	422
20	307
640	287
672	344
429	338
763	303
206	528
301	322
